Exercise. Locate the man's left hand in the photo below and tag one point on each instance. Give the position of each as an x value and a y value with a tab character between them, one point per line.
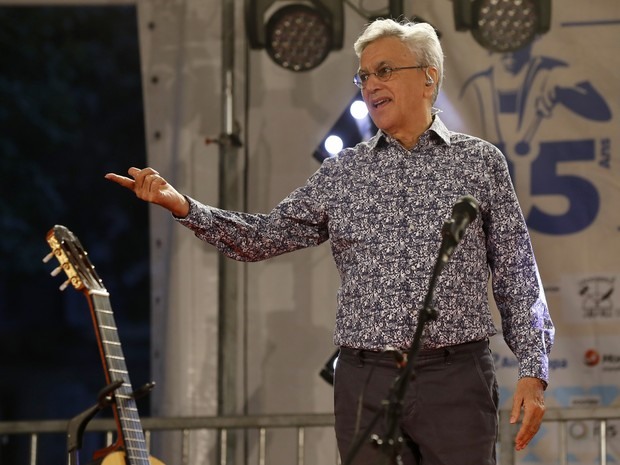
530	398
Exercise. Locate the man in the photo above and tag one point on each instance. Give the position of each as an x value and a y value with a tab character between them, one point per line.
382	204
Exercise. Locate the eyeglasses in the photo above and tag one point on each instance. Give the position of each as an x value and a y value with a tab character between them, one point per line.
383	74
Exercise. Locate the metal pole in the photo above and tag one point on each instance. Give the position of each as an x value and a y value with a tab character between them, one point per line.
603	439
33	448
563	443
228	199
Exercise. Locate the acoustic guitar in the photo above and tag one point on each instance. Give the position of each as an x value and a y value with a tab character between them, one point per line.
130	446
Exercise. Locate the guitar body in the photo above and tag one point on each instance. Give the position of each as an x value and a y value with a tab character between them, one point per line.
119	458
130	447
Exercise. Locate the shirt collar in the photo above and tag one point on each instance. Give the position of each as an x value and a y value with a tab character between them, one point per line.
437	127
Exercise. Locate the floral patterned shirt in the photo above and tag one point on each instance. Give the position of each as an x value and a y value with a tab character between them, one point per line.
382	208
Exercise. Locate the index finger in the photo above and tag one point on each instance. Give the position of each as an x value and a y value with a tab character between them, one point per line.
122	180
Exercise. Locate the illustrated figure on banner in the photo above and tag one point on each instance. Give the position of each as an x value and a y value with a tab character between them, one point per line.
514	97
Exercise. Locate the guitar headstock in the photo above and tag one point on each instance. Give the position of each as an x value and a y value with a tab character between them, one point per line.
73	260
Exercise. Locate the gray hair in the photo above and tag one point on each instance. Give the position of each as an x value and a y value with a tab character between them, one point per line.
421	39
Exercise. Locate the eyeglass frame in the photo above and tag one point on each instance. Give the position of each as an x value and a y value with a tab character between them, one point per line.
357	79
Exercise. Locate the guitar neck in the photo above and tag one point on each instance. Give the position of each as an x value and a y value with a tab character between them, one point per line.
81	274
113	360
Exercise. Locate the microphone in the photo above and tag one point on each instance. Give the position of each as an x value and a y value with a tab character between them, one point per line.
463	212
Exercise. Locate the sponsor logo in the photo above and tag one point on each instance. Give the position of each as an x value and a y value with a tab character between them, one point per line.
591	298
596	297
606	361
591	358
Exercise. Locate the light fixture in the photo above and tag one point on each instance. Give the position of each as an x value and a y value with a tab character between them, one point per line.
353	126
502	25
297	36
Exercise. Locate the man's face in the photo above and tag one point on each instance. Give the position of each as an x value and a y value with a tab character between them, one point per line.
397	103
515	61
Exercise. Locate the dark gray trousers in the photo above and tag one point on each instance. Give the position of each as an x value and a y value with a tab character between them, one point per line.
449	412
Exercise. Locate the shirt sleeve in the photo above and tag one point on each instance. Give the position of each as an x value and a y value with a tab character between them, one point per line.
517	287
297	222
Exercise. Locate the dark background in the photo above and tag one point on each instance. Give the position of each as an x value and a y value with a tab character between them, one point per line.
70	111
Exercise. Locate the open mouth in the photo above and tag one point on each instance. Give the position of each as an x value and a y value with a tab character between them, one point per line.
380	102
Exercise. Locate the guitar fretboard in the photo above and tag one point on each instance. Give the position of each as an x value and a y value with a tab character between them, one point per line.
114	363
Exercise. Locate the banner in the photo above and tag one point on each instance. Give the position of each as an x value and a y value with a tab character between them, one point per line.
552	108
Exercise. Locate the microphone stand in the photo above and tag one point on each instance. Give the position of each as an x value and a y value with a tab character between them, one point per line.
391	443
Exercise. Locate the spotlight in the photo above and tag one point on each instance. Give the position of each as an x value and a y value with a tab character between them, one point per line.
333	144
358	110
502	25
297	36
353	126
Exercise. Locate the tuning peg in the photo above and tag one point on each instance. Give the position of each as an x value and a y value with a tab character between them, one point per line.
48	257
64	285
56	271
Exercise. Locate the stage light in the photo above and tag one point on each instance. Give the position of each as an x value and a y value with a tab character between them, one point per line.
358	110
333	144
502	25
297	36
353	126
